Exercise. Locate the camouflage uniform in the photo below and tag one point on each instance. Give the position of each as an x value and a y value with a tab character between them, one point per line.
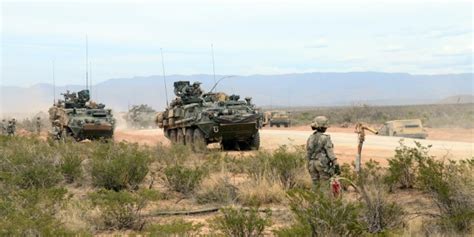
38	125
11	128
320	153
57	132
4	127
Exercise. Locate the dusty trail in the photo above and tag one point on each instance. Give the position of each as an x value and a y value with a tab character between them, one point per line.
375	147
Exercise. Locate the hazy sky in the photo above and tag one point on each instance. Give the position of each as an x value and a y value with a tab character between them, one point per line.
249	37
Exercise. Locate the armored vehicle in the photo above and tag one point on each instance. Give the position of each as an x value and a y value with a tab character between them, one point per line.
78	117
198	119
411	128
277	118
140	116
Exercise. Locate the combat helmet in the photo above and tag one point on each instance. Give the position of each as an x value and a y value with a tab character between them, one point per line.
320	122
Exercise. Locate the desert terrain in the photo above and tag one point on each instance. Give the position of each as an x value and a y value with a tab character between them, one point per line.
455	143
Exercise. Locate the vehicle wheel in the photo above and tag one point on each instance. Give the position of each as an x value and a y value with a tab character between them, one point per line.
286	125
188	137
199	140
278	125
180	137
172	136
271	124
255	142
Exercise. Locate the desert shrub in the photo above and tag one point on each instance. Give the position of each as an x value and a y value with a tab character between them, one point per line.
241	222
379	214
182	179
282	164
216	189
173	155
177	227
403	167
256	192
119	166
231	163
71	157
451	185
31	212
28	163
287	164
297	229
322	215
122	209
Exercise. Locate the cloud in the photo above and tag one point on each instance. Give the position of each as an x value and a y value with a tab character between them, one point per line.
317	44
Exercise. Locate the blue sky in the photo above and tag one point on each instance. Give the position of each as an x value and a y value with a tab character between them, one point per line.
249	37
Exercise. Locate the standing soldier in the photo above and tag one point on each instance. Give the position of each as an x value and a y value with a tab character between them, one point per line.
11	127
57	132
38	125
322	162
4	127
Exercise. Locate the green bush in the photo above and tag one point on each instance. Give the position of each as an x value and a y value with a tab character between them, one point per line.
119	166
322	215
122	210
28	163
71	161
177	227
403	168
31	212
241	222
451	185
183	179
283	165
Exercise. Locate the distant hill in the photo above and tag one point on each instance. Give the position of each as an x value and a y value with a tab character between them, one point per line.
458	99
303	89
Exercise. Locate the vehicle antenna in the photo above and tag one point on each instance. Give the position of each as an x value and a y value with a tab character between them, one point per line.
164	76
213	63
87	62
217	82
90	80
54	86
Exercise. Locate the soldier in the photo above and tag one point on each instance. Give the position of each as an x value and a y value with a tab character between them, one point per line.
196	90
322	162
249	101
57	130
4	127
38	125
11	128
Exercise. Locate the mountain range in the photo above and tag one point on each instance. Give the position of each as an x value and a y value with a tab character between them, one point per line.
302	89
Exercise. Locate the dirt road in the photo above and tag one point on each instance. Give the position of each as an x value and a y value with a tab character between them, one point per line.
378	148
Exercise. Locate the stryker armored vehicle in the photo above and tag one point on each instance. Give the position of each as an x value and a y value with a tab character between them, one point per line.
140	117
411	128
277	118
198	119
78	117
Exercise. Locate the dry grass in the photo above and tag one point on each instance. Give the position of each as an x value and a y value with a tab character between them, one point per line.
217	188
261	191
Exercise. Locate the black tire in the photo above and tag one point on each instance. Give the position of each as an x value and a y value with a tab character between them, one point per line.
271	124
255	142
278	125
172	136
188	137
286	125
199	142
180	137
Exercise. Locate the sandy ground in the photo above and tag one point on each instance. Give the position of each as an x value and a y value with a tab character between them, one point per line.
457	144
